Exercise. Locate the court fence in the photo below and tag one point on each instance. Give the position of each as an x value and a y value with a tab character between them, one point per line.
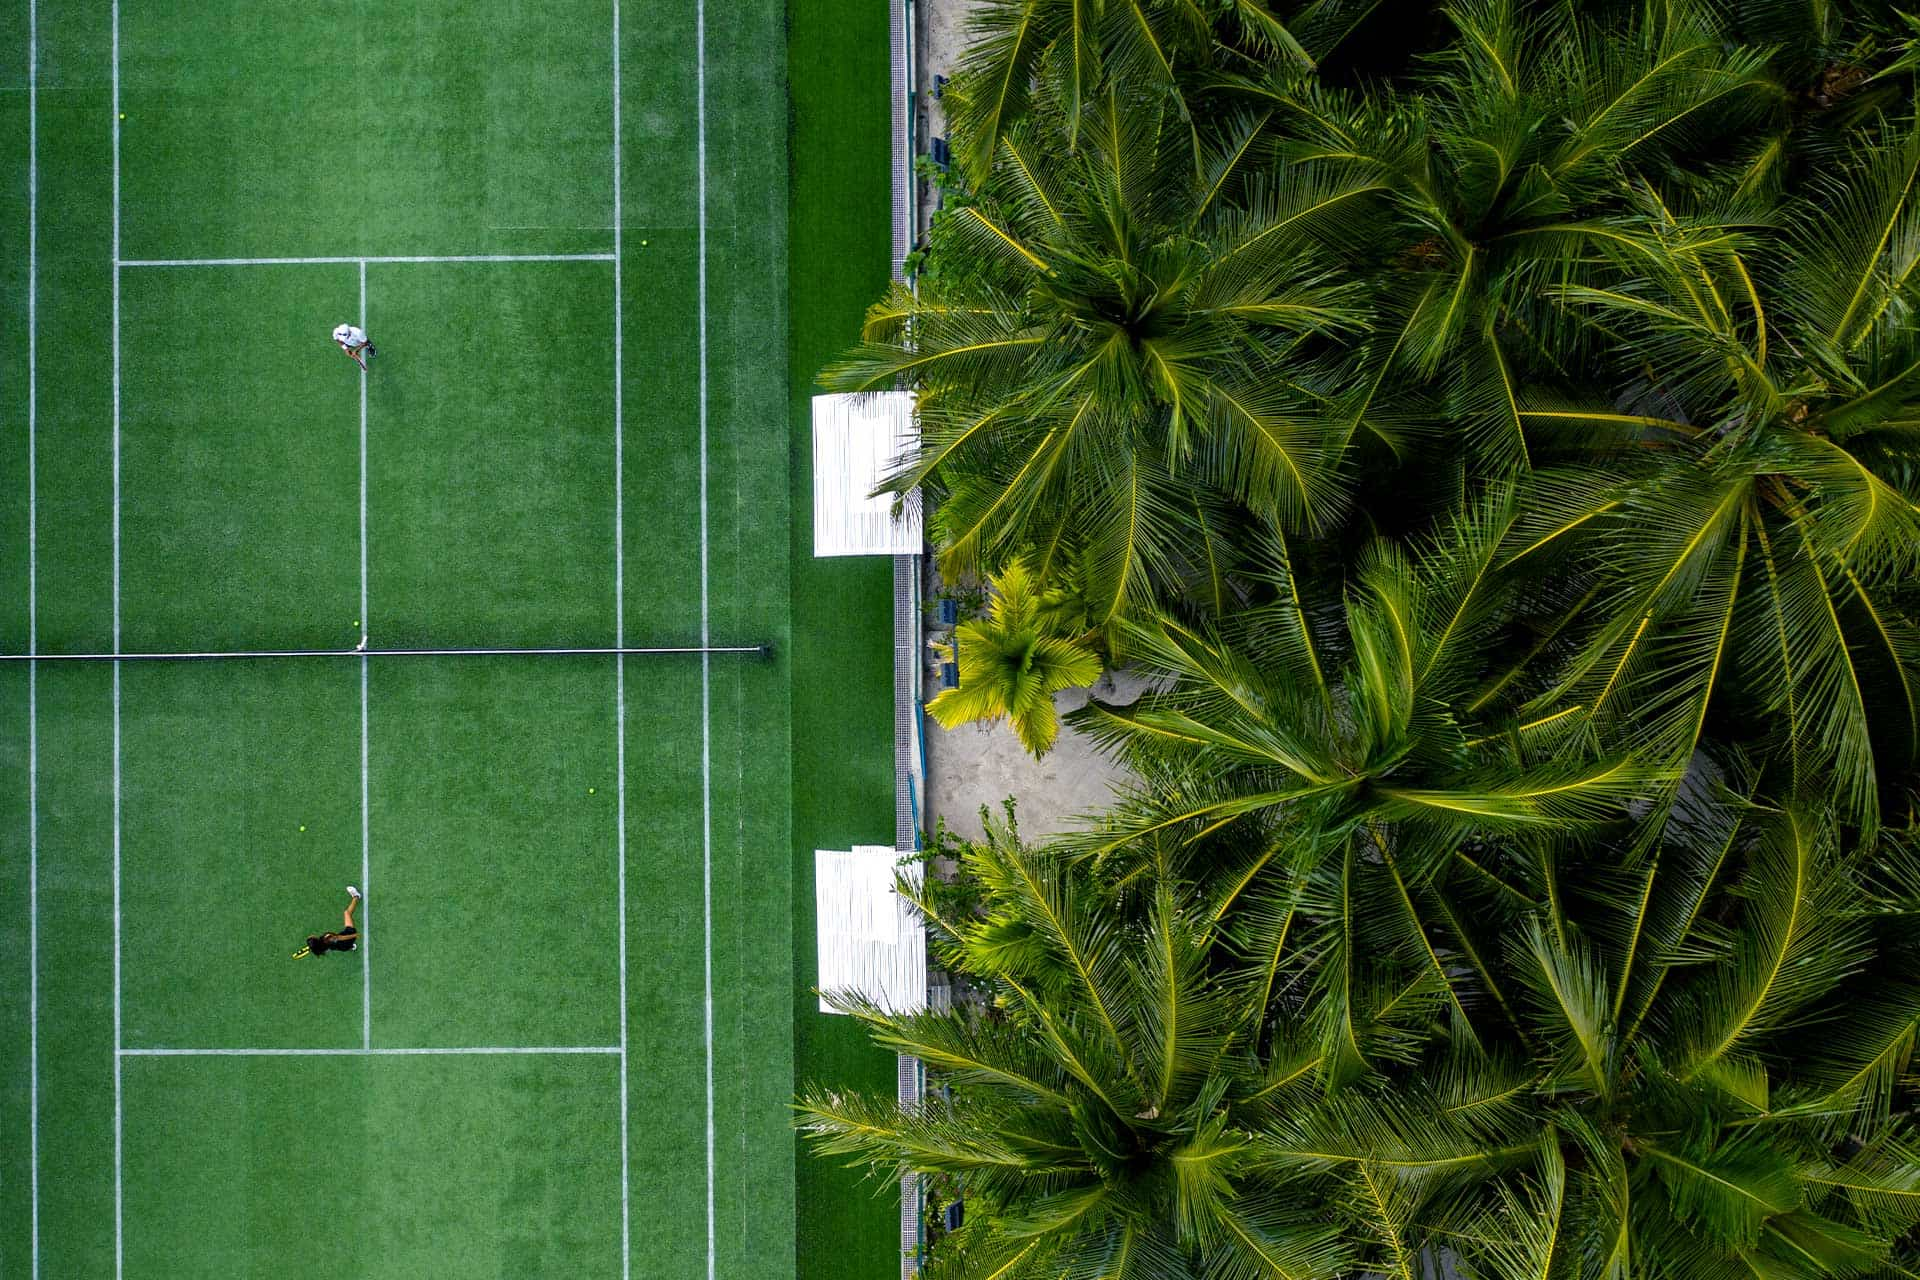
908	740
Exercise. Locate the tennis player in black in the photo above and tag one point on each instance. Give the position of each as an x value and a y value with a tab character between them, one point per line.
347	939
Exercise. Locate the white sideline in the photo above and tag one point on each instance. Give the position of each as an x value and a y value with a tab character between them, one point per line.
452	1051
706	661
343	261
366	629
119	1119
620	663
33	635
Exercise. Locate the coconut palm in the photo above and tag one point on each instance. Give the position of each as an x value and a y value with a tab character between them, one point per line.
1747	515
1503	167
1841	71
1099	1112
1692	1057
1104	377
1527	873
1711	1075
1149	48
1332	745
1013	661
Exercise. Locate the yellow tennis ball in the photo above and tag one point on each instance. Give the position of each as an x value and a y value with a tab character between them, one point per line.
303	828
589	790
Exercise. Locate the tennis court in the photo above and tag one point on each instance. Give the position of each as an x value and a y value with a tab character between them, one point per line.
565	1045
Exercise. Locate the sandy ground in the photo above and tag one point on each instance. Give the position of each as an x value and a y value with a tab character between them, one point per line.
940	37
980	764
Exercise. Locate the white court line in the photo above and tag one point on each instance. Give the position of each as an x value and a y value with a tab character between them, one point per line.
314	262
450	1052
119	1125
620	663
33	630
706	662
366	856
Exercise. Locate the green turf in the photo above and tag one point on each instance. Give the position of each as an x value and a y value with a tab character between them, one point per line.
76	975
428	1167
843	664
282	130
490	478
748	516
238	463
15	894
214	860
74	425
495	865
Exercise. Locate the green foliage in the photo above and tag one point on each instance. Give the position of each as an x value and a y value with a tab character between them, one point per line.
1103	385
1096	1122
1508	462
1013	661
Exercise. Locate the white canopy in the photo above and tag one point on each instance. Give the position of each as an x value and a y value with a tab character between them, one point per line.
870	939
855	440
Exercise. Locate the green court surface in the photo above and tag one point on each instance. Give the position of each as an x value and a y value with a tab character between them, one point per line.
601	247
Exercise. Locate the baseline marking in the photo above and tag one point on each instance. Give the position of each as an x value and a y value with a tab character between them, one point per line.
366	623
314	262
33	633
706	662
620	663
457	1051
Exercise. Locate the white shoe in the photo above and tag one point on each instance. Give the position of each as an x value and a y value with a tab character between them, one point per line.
352	892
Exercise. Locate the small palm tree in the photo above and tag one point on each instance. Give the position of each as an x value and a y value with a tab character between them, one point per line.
1013	661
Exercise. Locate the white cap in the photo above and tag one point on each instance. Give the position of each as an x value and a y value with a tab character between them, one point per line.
341	332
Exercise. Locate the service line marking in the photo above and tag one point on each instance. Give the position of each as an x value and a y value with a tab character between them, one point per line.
353	258
450	1051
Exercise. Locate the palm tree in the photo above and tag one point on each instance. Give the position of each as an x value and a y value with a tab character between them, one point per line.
1101	377
1575	1053
1745	513
1012	663
1331	745
1148	48
1526	881
1711	1076
1502	168
1100	1106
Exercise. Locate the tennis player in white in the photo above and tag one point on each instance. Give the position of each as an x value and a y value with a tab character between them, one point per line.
354	342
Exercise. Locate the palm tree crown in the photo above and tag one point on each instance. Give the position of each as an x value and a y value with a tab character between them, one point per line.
1111	360
1013	662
